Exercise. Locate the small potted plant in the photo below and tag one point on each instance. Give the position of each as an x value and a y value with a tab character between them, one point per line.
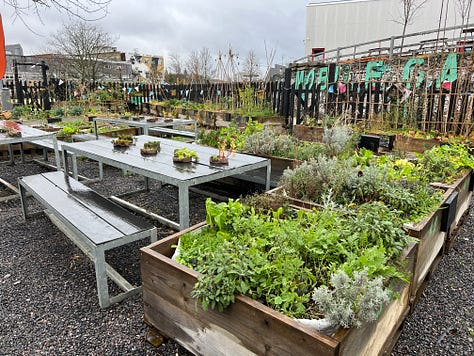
123	141
150	148
11	129
184	155
167	116
223	156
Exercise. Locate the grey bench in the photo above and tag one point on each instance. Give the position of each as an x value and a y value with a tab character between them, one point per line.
94	223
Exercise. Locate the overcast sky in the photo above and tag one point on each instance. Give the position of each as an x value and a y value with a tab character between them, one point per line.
161	27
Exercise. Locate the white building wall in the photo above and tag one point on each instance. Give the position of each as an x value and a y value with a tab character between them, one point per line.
335	23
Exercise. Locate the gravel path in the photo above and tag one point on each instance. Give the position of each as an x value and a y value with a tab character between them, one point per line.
48	299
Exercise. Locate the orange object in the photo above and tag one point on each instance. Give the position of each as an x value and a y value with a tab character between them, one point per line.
3	58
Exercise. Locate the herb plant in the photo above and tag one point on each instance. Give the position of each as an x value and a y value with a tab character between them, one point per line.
352	301
181	153
280	261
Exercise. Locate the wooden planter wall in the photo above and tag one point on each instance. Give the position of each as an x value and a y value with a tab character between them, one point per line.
461	199
248	327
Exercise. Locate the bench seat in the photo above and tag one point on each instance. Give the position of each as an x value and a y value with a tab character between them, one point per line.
163	131
94	223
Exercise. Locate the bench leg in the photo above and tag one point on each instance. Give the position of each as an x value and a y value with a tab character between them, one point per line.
153	235
101	277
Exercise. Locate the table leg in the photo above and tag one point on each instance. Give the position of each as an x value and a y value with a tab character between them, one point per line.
101	171
269	172
10	153
74	166
65	163
22	153
183	207
56	153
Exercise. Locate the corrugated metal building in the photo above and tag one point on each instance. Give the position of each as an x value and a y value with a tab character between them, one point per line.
338	23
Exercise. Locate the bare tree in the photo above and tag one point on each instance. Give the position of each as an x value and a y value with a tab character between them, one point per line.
193	66
251	67
463	7
82	45
410	9
199	65
175	68
87	10
205	63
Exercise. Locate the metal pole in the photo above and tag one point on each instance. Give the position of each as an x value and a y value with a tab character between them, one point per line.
46	101
286	99
19	91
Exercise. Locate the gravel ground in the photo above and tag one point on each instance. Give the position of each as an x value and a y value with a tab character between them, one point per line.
48	299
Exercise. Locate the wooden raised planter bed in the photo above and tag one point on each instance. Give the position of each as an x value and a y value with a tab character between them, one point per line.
461	199
278	166
431	233
248	327
308	133
411	144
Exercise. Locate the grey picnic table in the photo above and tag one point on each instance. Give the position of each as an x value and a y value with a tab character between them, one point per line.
144	124
162	168
28	134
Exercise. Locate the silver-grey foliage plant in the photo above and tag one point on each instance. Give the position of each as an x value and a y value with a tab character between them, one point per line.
351	301
337	138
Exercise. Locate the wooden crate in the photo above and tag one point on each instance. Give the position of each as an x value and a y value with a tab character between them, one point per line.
248	327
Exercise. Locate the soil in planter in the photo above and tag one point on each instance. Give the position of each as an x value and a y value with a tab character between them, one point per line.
218	160
148	152
182	160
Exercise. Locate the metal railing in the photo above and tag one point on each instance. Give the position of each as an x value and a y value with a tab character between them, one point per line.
414	43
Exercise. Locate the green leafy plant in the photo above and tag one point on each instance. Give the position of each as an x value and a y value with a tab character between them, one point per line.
57	111
351	184
268	142
230	135
445	163
76	110
156	145
280	261
182	153
123	141
22	111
